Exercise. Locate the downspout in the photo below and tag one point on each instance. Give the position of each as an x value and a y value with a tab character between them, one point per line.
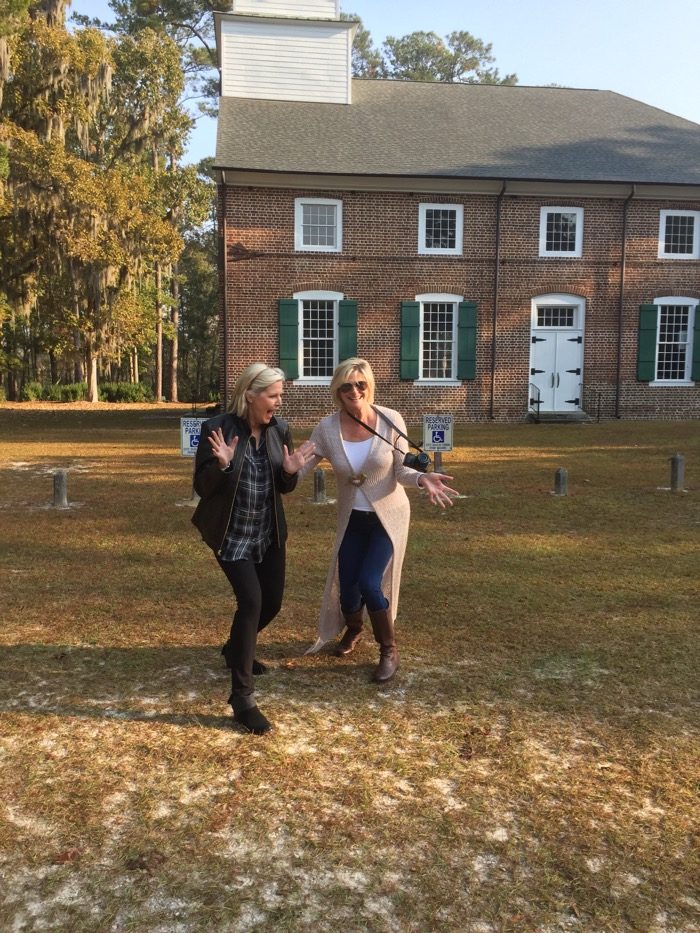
496	285
621	304
223	272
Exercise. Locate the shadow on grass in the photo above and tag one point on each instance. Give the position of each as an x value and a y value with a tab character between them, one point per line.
108	683
185	686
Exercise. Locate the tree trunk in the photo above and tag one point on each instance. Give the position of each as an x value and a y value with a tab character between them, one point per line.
78	374
10	343
33	359
91	366
159	338
174	346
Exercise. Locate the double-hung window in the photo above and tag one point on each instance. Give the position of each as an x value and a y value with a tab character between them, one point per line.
438	339
669	341
561	231
318	329
440	229
318	225
317	318
679	235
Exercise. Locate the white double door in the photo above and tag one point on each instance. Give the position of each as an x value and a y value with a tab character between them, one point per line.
556	369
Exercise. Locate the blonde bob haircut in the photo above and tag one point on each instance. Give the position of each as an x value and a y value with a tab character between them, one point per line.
352	370
254	378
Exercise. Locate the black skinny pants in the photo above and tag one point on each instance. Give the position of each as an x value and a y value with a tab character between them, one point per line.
258	589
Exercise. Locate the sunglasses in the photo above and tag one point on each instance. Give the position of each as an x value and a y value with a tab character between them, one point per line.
349	386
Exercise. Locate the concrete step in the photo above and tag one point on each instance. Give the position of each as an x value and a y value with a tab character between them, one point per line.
560	417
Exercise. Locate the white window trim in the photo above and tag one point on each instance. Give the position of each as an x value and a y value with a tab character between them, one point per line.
662	235
428	298
578	246
676	300
423	250
316	296
299	244
564	300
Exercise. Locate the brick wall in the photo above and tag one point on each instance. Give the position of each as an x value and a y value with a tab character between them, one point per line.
379	267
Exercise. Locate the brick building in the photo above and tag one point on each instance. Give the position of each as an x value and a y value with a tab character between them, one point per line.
492	251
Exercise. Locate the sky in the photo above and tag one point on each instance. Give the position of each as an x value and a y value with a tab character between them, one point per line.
643	49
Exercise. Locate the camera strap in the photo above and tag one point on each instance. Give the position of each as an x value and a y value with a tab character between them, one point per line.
390	423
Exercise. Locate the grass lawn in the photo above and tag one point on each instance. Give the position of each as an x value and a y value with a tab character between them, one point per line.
533	767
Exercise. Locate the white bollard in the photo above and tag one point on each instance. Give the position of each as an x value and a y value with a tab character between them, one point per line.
561	482
319	486
60	489
677	472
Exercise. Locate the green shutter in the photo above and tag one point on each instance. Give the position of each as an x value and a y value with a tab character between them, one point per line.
466	340
695	371
410	339
646	348
289	336
347	330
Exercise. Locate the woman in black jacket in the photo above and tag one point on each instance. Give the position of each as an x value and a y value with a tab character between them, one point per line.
245	461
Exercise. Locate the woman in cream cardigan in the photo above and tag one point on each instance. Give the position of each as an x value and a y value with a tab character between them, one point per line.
373	513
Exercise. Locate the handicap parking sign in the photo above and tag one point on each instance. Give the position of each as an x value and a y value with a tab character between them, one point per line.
189	435
437	432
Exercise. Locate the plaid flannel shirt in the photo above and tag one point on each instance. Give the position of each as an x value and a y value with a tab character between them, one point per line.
250	529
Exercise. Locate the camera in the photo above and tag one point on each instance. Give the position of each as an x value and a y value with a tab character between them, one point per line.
420	462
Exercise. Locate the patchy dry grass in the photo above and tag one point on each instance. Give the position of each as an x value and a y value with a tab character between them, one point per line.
533	768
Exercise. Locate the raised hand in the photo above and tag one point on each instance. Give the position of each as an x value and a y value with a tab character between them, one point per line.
222	451
292	463
438	492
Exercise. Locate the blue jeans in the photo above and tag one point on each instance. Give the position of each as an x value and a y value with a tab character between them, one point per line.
363	557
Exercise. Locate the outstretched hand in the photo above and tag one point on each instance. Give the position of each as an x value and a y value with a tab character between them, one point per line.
438	492
222	451
292	463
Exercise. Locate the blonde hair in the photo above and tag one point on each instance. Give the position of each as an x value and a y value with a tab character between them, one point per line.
342	372
254	378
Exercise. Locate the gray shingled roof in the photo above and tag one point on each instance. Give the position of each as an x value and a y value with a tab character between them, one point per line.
463	130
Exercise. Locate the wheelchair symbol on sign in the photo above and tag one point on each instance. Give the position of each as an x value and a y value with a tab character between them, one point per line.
438	437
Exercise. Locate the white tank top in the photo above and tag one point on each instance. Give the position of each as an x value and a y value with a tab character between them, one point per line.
357	453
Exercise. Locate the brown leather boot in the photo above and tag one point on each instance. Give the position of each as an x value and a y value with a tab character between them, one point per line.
383	628
353	633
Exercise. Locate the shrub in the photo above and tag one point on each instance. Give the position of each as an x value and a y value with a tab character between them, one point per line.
52	393
125	392
73	392
31	392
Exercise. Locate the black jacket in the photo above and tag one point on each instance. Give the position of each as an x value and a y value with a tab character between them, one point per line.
217	487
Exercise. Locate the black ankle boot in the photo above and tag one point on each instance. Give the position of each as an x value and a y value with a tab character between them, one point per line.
253	720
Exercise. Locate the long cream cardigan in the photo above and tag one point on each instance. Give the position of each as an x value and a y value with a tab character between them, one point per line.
386	475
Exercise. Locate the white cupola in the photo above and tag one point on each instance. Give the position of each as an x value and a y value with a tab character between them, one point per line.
285	50
309	9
